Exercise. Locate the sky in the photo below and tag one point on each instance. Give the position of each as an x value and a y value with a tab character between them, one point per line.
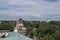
30	9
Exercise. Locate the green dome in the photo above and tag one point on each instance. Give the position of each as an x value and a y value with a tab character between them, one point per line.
15	36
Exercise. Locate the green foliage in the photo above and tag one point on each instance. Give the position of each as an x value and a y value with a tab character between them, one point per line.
57	35
44	30
40	30
7	25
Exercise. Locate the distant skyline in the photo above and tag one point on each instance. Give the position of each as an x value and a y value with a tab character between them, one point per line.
29	9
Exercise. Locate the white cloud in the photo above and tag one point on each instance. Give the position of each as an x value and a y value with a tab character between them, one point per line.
36	15
34	8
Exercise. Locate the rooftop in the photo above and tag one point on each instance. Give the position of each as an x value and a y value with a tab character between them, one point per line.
2	31
15	36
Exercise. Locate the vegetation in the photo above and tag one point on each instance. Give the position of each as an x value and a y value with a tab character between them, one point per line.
7	25
44	30
36	29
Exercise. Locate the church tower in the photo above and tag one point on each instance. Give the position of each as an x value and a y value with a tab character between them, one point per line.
17	26
17	22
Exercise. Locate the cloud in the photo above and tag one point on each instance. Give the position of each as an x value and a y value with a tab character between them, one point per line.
33	9
52	0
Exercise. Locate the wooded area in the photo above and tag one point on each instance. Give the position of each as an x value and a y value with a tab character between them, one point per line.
36	29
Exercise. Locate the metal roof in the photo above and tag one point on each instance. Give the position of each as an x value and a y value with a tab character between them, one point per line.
2	31
15	36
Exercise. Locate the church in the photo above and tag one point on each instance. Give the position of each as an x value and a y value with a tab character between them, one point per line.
20	26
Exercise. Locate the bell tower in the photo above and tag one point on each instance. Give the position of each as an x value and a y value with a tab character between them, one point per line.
17	22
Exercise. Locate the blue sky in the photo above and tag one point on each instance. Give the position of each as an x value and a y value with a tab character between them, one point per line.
29	9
